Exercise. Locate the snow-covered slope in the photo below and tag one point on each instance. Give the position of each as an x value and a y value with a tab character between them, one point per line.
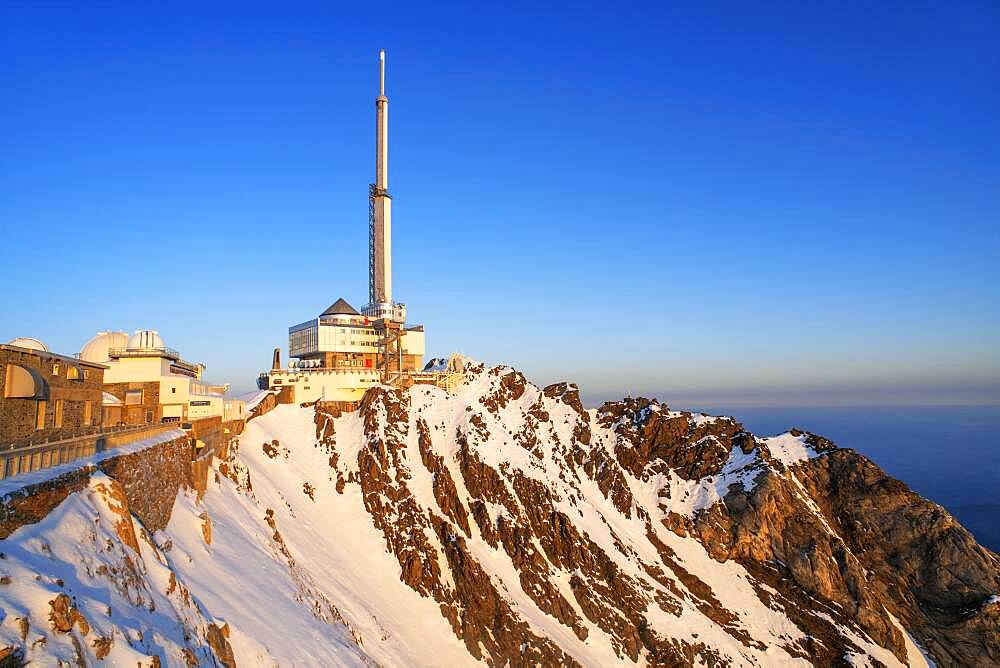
86	584
506	524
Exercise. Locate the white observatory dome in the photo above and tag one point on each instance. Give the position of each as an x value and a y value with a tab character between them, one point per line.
145	338
29	343
96	350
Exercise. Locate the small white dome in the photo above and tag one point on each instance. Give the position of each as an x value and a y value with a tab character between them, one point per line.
96	350
145	338
29	343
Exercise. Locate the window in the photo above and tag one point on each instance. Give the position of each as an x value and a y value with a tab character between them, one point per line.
173	390
133	397
73	373
88	407
40	415
55	369
59	413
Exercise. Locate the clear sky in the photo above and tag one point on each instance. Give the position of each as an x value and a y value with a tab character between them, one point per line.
704	201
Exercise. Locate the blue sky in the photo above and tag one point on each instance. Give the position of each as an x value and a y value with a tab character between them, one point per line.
716	202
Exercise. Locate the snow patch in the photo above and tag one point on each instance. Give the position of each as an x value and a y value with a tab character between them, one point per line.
789	449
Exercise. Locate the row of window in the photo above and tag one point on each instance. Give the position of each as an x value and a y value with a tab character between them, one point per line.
72	372
57	422
305	379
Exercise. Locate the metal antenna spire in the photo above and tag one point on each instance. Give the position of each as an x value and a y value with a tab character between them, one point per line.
381	73
380	204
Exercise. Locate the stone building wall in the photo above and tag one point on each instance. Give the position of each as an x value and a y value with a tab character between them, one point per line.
18	416
148	411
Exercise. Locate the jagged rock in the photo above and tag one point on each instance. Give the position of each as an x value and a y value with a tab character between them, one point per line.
218	640
206	527
102	646
64	615
530	530
272	449
11	657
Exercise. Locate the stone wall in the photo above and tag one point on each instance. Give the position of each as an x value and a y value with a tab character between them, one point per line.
286	395
151	479
18	415
146	412
53	453
336	408
215	437
265	406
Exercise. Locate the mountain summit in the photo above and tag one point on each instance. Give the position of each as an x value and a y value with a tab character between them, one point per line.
507	524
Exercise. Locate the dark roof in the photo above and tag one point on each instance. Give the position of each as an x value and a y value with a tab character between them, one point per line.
340	307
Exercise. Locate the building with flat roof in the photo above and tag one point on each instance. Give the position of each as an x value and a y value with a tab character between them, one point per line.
47	396
341	353
146	382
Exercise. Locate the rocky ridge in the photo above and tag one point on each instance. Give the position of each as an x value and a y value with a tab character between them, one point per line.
507	524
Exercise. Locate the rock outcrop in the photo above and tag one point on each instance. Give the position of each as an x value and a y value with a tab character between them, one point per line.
508	524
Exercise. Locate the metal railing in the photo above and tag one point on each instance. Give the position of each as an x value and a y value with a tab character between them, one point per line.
30	458
78	432
144	352
395	311
446	380
306	371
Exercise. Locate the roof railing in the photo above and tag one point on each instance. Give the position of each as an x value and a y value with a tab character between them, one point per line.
169	353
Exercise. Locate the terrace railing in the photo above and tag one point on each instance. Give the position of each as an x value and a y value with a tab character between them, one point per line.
25	459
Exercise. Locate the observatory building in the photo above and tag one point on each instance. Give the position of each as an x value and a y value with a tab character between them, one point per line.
342	352
147	382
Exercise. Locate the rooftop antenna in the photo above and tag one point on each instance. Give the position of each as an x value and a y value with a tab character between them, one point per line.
380	203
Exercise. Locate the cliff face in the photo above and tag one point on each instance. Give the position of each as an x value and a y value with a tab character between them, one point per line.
507	524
